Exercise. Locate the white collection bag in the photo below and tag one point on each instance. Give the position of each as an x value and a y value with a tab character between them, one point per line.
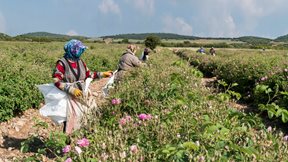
109	84
56	102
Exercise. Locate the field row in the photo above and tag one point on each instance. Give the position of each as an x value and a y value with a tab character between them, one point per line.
261	77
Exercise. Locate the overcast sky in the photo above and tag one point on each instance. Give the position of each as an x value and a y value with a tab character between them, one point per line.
205	18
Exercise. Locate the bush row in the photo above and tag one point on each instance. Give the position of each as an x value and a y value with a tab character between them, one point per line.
262	76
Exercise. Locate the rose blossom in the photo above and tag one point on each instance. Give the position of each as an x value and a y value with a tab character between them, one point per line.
68	160
122	121
84	142
134	149
66	149
116	101
285	138
144	116
269	129
148	116
78	150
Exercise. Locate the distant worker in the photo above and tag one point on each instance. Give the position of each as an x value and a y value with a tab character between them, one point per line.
212	51
127	62
145	55
201	50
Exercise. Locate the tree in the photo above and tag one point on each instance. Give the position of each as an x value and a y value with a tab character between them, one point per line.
152	41
125	40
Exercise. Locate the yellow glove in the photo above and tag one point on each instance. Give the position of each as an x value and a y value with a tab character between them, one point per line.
107	74
77	92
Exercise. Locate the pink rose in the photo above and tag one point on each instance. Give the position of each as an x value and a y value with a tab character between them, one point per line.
285	138
84	142
148	116
116	101
264	78
122	121
142	116
145	116
134	149
78	150
66	149
269	129
68	160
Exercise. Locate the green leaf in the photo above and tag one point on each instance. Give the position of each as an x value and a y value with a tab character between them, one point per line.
165	151
261	88
284	116
234	84
171	148
270	114
190	146
278	113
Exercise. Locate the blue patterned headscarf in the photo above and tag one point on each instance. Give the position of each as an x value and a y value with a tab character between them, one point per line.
74	49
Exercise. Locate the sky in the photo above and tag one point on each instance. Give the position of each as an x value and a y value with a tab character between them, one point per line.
95	18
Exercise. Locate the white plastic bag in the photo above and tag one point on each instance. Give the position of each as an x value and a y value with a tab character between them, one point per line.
86	85
109	84
56	103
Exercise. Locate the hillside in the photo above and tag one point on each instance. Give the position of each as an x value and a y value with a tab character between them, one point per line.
283	38
247	39
4	36
48	37
253	40
45	36
144	35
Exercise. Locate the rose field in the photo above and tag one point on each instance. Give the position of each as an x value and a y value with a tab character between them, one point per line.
161	111
260	77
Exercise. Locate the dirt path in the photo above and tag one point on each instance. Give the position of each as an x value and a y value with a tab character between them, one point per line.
18	129
208	83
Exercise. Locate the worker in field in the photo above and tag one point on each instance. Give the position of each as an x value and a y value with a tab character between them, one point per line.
145	55
69	76
201	50
212	51
127	62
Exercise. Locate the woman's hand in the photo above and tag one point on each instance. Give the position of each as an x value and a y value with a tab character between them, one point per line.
77	92
107	74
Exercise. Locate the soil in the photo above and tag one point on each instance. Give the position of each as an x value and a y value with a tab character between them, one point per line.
210	82
19	129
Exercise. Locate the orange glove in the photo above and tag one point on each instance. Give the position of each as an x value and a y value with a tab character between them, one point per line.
77	92
107	74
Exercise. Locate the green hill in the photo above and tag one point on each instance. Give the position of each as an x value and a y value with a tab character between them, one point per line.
4	36
144	35
48	37
253	40
283	38
45	36
247	39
